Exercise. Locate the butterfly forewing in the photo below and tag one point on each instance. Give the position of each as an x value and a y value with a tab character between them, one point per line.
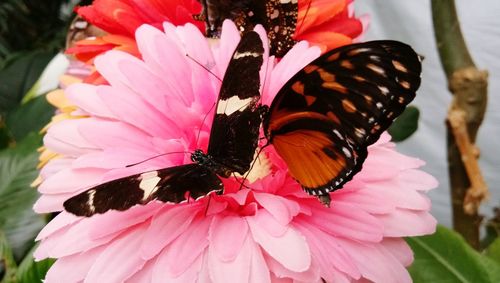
349	95
235	129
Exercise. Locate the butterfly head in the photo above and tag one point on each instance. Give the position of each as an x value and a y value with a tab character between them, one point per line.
199	156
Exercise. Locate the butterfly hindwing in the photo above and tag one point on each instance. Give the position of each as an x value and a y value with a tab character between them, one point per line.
235	129
171	184
343	101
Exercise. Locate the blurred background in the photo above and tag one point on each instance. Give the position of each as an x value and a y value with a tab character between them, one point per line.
411	22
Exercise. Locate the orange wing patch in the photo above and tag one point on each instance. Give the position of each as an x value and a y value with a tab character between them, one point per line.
282	117
310	156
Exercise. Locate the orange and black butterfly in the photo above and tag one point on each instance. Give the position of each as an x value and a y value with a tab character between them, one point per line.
324	118
320	122
278	17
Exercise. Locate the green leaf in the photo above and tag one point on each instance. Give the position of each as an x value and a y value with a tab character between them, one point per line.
446	257
492	267
17	171
493	250
30	271
19	75
405	125
7	263
29	117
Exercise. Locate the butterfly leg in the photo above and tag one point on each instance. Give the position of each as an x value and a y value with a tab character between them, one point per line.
208	204
325	199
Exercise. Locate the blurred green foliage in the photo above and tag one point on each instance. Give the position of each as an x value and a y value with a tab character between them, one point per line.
446	257
27	25
31	33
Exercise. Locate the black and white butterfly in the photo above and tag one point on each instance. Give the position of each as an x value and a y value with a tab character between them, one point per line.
320	122
231	148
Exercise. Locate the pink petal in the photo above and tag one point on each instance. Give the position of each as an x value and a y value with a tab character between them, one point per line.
166	226
115	221
182	252
86	98
130	108
229	39
282	209
375	263
55	165
345	220
417	180
227	235
110	158
62	220
290	249
109	134
50	203
235	270
64	138
145	274
189	275
119	260
72	268
280	271
401	196
416	223
72	240
268	223
71	180
399	249
259	272
160	53
329	253
365	199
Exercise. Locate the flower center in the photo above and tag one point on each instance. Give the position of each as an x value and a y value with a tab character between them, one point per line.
261	167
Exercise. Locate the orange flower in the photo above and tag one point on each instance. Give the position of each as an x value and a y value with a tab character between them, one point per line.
120	19
327	23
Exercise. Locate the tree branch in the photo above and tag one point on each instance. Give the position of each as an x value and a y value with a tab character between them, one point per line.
469	88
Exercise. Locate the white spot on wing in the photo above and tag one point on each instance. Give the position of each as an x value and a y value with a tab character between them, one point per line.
148	183
90	201
384	90
233	104
238	55
346	152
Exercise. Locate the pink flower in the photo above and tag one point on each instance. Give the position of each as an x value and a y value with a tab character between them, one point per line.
273	232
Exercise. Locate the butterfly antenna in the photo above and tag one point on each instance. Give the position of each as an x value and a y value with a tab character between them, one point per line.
265	79
242	183
297	27
204	67
211	108
156	156
203	123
